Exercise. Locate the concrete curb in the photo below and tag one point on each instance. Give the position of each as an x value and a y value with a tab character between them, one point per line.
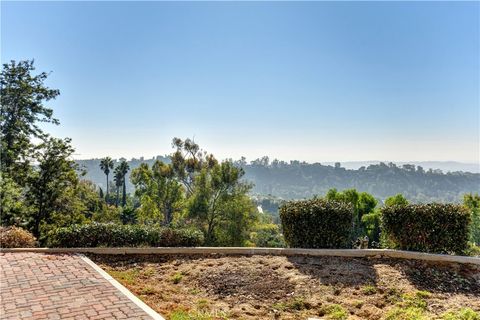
152	313
355	253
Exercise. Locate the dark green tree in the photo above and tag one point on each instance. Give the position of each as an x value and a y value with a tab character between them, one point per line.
472	202
22	98
106	164
118	179
120	174
14	210
54	174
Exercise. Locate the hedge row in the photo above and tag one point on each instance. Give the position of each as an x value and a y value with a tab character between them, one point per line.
115	235
317	223
436	228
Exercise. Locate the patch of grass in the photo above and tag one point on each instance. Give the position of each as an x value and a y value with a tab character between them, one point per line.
196	315
128	276
202	304
462	314
334	312
148	272
423	294
295	304
369	290
393	295
176	278
415	299
148	291
409	313
411	306
358	304
194	291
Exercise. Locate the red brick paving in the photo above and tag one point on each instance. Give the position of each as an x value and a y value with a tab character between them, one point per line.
58	286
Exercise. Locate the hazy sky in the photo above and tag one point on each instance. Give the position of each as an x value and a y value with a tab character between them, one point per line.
314	81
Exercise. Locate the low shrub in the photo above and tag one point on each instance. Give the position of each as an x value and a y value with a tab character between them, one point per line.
409	313
317	223
334	312
435	227
115	235
14	237
462	314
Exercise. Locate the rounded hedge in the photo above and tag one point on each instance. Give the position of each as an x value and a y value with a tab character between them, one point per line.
434	227
115	235
317	223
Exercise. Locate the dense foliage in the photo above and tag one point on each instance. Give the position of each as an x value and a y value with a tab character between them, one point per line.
317	223
299	180
115	235
472	203
160	194
437	228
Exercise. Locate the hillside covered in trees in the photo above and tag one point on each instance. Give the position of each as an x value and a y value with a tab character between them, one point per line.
298	180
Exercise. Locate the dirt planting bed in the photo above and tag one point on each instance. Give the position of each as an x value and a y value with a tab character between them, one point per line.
277	287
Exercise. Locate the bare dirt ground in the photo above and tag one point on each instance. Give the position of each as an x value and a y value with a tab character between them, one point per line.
276	287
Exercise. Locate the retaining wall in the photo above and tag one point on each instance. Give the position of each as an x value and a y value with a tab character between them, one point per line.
357	253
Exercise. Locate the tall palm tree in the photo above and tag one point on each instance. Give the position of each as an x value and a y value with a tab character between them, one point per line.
105	165
122	171
118	178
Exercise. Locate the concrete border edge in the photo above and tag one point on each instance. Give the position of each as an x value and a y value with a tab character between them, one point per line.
355	253
152	313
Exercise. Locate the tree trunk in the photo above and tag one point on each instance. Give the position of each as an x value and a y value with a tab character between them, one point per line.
106	194
118	194
124	194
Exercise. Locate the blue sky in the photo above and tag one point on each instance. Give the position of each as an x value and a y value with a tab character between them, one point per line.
314	81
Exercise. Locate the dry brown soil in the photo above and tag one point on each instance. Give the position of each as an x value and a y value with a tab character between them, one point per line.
278	287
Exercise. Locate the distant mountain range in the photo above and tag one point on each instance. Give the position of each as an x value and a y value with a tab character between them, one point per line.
418	181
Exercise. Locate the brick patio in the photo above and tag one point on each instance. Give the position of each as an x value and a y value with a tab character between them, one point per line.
59	286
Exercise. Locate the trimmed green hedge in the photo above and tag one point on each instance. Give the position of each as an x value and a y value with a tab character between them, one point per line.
115	235
317	223
434	227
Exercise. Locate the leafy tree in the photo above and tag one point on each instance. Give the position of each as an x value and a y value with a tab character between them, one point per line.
366	204
472	202
239	218
372	223
77	205
49	181
13	208
106	164
159	192
22	98
124	168
219	200
128	215
118	179
363	204
266	233
396	200
187	162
